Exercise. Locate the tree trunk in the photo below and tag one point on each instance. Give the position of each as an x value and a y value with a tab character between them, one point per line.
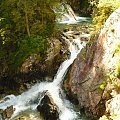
26	19
1	41
27	23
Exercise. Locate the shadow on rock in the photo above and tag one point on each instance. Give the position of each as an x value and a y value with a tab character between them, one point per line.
47	108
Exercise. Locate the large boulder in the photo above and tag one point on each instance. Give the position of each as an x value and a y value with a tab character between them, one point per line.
88	79
48	108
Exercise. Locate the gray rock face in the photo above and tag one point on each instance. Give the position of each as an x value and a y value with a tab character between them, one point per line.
88	75
48	108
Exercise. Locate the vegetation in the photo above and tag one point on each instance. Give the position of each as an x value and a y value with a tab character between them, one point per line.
102	10
114	76
117	52
28	46
103	85
25	26
117	72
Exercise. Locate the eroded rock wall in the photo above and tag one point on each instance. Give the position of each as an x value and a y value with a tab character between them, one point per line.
88	77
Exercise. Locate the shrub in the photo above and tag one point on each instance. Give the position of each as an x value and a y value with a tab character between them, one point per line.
102	10
28	46
103	85
117	72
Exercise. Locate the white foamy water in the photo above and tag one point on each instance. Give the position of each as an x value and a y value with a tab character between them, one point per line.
73	20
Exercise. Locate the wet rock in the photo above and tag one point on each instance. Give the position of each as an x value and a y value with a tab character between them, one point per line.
48	108
28	115
7	113
1	115
84	39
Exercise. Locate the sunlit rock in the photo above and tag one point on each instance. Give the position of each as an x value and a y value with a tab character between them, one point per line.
88	77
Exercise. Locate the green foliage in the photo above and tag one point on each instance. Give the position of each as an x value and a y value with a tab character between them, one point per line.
2	32
102	10
117	52
25	26
28	16
117	48
103	85
117	71
28	46
116	85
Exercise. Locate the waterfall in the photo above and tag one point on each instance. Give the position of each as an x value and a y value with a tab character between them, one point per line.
26	99
69	17
74	47
31	98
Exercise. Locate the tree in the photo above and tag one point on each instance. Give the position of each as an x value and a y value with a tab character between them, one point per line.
102	10
26	23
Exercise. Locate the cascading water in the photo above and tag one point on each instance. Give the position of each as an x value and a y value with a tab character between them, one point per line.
69	17
26	100
31	98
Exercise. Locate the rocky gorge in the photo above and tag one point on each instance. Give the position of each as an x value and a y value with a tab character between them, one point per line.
92	83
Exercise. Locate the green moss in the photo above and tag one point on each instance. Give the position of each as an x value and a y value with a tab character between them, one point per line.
117	71
103	85
117	52
102	10
117	48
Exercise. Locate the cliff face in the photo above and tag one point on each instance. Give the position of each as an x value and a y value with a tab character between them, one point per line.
94	76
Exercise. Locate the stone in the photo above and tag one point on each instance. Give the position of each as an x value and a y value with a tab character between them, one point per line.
7	113
113	106
1	114
47	108
91	67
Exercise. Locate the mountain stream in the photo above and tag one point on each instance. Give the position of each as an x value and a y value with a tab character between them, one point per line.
31	98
